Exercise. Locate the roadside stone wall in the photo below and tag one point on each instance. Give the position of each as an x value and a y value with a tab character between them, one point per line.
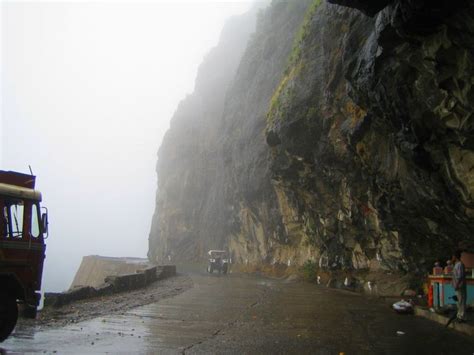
95	268
112	284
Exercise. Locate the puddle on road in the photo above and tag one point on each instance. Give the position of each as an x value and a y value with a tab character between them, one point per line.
110	334
169	325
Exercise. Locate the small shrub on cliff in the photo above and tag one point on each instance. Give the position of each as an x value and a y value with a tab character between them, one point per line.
309	271
303	32
294	67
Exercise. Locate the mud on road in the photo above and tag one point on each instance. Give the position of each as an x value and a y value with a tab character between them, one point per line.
117	303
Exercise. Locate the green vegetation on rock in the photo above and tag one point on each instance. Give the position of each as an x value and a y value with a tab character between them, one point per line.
295	65
303	33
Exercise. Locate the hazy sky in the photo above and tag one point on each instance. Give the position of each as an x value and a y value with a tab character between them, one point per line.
87	92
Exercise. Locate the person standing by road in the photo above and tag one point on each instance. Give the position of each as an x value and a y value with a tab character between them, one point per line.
459	284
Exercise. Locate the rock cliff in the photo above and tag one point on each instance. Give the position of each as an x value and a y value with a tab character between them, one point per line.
339	132
190	182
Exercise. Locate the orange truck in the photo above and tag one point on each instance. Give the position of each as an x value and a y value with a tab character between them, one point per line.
23	229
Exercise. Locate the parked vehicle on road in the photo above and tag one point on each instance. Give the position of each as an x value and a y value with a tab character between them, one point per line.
22	248
218	261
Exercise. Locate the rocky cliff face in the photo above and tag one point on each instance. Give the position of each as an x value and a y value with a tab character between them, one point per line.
213	162
189	176
341	136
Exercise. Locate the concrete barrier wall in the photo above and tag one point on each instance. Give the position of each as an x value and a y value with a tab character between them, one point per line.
95	268
112	284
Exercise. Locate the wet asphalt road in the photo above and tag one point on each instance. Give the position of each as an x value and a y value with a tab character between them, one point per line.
246	314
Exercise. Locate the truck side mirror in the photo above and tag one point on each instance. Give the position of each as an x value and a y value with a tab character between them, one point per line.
44	223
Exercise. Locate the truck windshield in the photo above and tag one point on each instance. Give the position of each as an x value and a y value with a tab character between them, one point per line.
12	219
16	211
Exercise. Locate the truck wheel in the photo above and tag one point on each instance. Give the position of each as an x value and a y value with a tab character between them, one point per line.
8	315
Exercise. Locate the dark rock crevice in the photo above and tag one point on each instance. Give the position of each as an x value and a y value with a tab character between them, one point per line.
369	7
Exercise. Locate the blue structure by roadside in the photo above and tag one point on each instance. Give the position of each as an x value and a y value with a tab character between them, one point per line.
443	290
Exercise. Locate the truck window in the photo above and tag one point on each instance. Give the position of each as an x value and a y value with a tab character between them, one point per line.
35	229
16	215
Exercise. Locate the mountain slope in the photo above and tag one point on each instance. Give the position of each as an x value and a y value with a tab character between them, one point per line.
340	138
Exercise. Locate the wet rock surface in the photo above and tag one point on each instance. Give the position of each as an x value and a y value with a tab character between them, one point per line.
248	314
372	162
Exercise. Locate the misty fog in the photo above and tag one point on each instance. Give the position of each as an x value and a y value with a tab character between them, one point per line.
87	92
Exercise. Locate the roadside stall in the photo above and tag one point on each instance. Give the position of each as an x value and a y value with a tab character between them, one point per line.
441	283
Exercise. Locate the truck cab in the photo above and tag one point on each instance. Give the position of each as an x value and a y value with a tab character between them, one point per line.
23	229
218	261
